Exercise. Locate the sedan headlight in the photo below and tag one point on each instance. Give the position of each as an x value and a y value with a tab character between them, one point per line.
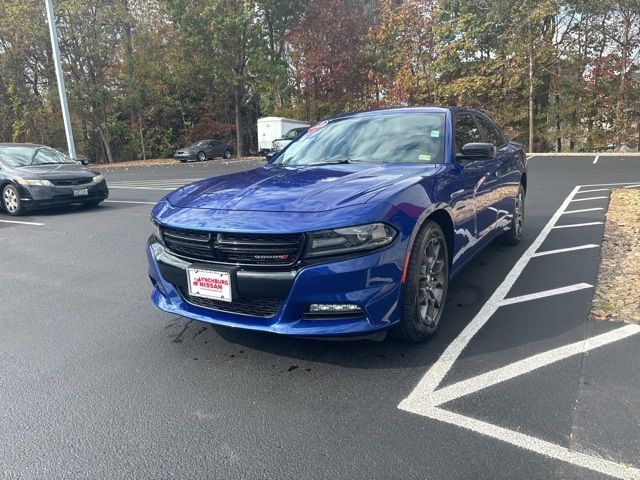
341	241
29	181
156	230
98	178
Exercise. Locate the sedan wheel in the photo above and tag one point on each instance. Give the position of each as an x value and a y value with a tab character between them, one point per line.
516	227
426	285
201	157
11	200
227	154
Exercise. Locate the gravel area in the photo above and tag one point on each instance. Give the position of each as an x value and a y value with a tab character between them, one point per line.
617	295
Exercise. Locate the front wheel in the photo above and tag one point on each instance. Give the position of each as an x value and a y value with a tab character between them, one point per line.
227	154
11	200
201	157
516	227
426	285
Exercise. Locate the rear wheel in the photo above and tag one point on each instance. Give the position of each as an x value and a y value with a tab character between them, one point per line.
227	154
11	200
514	234
201	157
426	285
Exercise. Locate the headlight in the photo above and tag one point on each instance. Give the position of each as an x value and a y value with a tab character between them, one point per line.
156	230
342	241
28	181
98	178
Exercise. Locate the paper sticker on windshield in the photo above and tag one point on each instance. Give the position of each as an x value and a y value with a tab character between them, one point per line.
435	133
426	158
315	128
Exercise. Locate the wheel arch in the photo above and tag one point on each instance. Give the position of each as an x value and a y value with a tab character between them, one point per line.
523	181
441	215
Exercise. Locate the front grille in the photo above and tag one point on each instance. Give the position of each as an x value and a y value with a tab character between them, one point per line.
256	307
235	248
72	182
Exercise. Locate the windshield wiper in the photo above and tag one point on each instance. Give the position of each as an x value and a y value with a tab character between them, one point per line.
329	161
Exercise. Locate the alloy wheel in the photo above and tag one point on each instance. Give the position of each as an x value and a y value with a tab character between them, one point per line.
518	214
431	287
10	198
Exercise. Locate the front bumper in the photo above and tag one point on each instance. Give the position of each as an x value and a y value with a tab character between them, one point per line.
185	155
372	281
36	196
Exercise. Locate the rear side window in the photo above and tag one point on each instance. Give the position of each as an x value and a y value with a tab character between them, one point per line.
491	133
466	131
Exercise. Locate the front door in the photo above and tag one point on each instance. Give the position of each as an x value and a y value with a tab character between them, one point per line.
480	177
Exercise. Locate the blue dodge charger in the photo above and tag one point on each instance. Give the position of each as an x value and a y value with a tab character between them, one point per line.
354	229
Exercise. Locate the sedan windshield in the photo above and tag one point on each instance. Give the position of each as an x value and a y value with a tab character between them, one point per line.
375	138
201	143
19	156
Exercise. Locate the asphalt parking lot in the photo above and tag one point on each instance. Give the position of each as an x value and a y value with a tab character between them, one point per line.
518	382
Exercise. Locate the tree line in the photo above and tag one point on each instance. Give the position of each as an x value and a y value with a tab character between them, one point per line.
145	76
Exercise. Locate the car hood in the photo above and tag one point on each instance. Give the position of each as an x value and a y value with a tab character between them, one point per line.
189	149
275	188
66	170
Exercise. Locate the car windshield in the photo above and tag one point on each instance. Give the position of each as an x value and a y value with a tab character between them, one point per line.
201	143
371	138
30	156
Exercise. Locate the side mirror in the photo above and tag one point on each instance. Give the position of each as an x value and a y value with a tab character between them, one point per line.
478	151
84	161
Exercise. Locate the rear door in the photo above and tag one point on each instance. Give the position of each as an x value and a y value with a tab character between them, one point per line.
479	176
507	173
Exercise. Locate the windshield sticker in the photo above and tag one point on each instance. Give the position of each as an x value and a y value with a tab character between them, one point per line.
315	128
435	133
426	158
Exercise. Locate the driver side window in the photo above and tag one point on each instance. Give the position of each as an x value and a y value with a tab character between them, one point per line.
466	131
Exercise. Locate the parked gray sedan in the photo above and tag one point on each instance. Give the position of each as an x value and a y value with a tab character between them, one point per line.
203	150
37	176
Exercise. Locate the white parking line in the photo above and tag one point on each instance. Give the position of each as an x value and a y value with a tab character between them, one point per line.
418	399
545	293
565	250
595	160
112	187
583	210
130	201
536	445
633	186
586	199
595	190
425	395
21	222
516	369
574	225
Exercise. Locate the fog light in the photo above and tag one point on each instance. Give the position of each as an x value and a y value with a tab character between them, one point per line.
334	308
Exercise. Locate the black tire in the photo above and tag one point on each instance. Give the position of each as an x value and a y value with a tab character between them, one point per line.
201	156
227	154
182	161
11	200
516	227
426	285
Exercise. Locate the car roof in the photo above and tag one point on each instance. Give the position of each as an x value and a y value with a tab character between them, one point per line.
392	110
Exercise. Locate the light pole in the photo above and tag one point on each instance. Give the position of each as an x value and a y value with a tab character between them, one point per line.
60	76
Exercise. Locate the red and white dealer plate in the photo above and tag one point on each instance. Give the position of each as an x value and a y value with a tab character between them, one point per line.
209	284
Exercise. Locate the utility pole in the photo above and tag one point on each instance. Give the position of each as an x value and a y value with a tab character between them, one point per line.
60	76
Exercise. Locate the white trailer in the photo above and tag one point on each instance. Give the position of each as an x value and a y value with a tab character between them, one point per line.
273	128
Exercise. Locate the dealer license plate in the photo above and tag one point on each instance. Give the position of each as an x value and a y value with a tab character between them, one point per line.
80	192
209	284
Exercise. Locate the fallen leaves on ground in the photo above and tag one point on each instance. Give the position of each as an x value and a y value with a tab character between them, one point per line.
617	295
